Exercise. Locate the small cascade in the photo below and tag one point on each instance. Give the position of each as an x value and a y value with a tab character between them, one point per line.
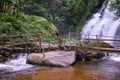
111	57
103	24
114	57
16	64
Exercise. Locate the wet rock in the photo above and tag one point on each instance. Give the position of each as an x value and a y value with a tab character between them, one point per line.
4	56
3	59
81	55
2	71
53	58
94	55
101	55
91	56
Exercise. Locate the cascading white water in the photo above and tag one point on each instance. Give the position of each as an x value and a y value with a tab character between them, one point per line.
103	24
114	57
17	64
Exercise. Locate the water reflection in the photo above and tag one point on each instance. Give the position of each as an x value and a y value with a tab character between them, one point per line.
106	70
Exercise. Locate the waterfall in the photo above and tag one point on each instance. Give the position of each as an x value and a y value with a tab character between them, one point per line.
103	24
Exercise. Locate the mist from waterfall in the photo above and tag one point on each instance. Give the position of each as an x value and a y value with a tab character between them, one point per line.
103	24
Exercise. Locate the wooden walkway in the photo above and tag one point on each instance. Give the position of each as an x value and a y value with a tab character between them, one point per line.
59	45
106	49
96	48
46	47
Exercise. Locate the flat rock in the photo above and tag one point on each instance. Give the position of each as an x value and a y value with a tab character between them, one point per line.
54	58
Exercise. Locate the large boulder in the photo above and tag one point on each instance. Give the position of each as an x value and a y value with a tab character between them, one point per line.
54	58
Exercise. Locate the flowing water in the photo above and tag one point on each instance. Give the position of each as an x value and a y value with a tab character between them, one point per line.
104	23
16	64
108	68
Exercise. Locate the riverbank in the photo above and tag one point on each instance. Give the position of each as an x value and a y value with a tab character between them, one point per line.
104	69
80	52
23	29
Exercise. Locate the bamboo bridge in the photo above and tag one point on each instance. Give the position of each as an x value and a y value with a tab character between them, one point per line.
41	45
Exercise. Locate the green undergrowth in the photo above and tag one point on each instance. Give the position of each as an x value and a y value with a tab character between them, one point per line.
75	41
98	43
93	43
25	24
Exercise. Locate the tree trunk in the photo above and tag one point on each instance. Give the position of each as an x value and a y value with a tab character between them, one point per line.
1	6
9	8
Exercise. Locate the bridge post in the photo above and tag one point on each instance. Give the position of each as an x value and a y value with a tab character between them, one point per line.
40	39
11	41
69	38
26	47
1	41
98	44
48	43
79	38
88	38
57	36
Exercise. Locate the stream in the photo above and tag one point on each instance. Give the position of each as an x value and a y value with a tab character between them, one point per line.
108	68
18	63
104	24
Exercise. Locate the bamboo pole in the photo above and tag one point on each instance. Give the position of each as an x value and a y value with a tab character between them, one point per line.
40	39
69	39
48	43
26	47
88	38
11	42
58	39
98	44
1	39
79	38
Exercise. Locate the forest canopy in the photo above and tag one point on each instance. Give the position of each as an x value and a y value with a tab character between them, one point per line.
71	12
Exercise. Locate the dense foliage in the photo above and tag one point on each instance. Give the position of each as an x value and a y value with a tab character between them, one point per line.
116	5
13	21
25	24
72	12
10	6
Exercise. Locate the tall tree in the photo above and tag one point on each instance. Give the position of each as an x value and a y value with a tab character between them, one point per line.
2	6
10	6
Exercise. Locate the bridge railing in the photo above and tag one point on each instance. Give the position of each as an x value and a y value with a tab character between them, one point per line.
45	37
113	40
12	40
